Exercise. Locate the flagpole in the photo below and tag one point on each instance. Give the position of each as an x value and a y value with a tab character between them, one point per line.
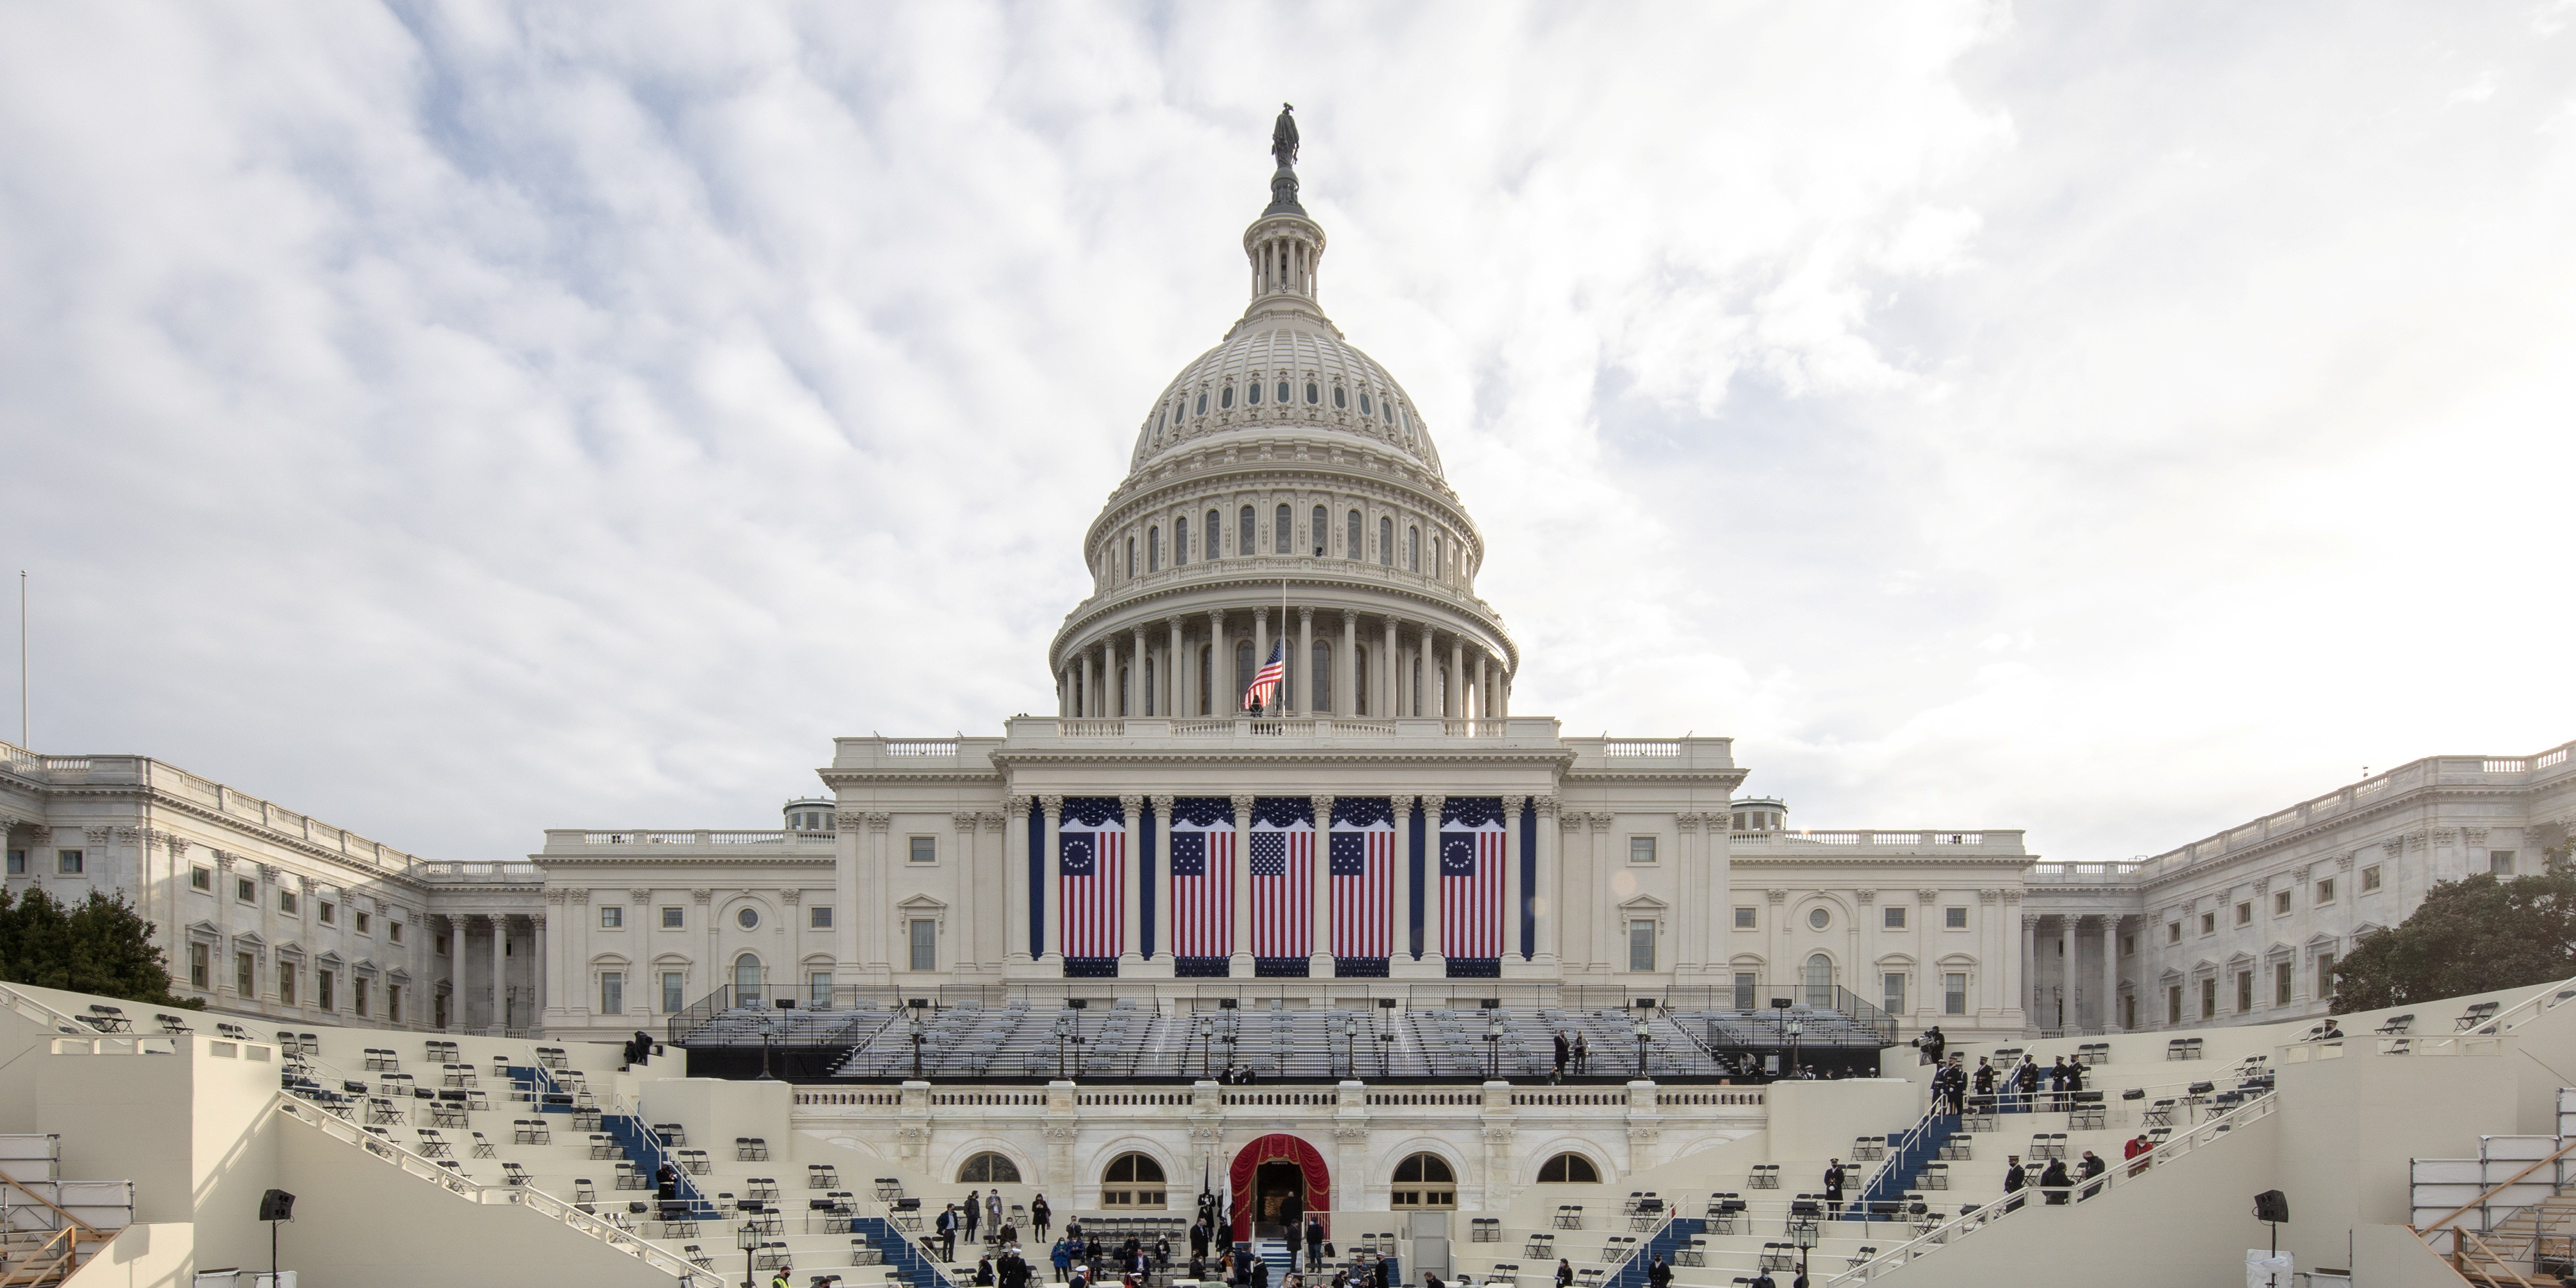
1284	670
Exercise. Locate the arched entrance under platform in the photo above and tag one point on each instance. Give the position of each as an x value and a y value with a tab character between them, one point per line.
1277	1180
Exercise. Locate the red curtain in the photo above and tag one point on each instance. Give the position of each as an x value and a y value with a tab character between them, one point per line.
1278	1149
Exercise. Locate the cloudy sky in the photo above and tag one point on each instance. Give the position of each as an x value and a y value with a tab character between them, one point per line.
2117	422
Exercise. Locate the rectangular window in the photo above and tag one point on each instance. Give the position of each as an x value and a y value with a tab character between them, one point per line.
244	890
286	902
2281	977
286	983
393	1003
322	982
1893	918
68	863
364	921
612	992
2245	913
2129	1012
1641	945
1641	849
2209	923
1954	918
1954	993
325	912
612	917
393	931
2499	862
673	983
925	944
438	1010
2280	903
2325	890
2209	998
819	918
818	990
18	864
2244	991
200	965
2369	879
671	919
199	879
1744	919
245	975
1744	987
358	990
2325	974
1892	992
925	849
2173	1004
2173	932
439	944
2129	948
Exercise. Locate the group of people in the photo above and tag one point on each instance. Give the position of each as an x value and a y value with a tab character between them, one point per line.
1572	1050
2013	1090
2055	1182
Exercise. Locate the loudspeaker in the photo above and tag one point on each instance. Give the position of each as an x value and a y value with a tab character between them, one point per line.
277	1205
2272	1205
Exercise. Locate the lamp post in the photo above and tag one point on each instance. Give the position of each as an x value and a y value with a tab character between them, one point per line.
1350	1046
748	1239
1207	1046
1494	1045
1802	1232
1795	1027
1644	1036
918	1037
767	1027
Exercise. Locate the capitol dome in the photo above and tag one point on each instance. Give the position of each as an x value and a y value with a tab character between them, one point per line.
1284	498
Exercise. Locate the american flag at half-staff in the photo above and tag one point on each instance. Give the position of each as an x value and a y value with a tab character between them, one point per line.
1094	868
1363	874
1281	868
1203	892
1266	681
1471	893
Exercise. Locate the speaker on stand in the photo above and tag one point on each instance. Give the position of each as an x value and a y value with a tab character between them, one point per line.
275	1206
2272	1208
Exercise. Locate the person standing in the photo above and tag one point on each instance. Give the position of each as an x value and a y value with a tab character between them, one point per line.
1659	1275
1582	1054
1834	1185
1985	1079
1199	1239
1564	1049
2093	1166
974	1213
2057	1085
2054	1181
2013	1181
993	1209
1935	1044
1314	1243
1039	1218
1564	1273
946	1225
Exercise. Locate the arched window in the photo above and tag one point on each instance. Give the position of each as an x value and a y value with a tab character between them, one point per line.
1214	536
1283	391
1413	549
1439	568
1181	543
1132	1181
1225	398
988	1168
1206	675
1131	556
1417	683
1242	669
1252	394
1122	692
1243	540
1283	537
1323	670
1313	395
1153	549
1386	541
746	980
1146	703
1568	1169
1424	1181
1365	408
1359	679
1203	403
1820	981
1320	528
1341	399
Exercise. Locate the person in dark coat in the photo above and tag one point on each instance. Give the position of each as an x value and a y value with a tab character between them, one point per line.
974	1212
2013	1180
1659	1275
1985	1079
1935	1045
1582	1054
1314	1243
1833	1185
1564	1051
2054	1181
1564	1273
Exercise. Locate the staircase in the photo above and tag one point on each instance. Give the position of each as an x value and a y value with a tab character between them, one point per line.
1906	1155
904	1255
1675	1233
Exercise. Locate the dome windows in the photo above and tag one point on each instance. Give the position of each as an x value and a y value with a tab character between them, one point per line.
1202	402
1181	542
1283	537
1314	394
1225	398
1252	394
1413	549
1341	399
1246	531
1365	409
1214	535
1351	537
1153	549
1319	530
1283	392
1386	541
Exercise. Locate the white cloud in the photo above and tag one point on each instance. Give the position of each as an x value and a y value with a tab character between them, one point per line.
455	421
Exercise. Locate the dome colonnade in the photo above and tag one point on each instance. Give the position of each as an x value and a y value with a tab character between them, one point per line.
1284	485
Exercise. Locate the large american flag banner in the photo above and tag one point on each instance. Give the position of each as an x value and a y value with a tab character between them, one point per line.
1363	874
1202	877
1091	850
1471	878
1280	864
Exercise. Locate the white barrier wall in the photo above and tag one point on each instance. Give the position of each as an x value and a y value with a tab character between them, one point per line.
1819	1119
2350	1126
160	1255
188	1128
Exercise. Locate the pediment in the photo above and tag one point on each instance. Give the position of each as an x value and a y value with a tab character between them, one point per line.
365	966
250	939
922	903
1643	903
204	930
330	959
2241	959
290	949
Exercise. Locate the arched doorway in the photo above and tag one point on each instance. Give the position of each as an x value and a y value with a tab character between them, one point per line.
1276	1181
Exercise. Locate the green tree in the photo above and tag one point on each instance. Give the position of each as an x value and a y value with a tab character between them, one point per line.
2470	936
96	946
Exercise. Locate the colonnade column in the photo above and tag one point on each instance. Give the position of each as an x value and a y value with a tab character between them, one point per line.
1051	922
554	951
1454	693
541	974
1690	946
1015	883
1172	673
1548	901
1086	706
877	936
1431	885
1484	700
2110	1006
1512	892
1346	667
2066	1014
845	893
968	827
1402	939
1320	964
1160	966
500	973
1131	890
1217	660
1301	668
1143	703
1240	964
1386	704
2030	967
1261	640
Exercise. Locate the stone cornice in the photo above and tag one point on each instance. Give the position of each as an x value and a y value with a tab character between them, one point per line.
158	799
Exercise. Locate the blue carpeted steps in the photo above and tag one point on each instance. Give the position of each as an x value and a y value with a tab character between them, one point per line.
1906	1155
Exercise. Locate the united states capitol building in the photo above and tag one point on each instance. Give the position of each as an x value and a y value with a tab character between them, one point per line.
1384	891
